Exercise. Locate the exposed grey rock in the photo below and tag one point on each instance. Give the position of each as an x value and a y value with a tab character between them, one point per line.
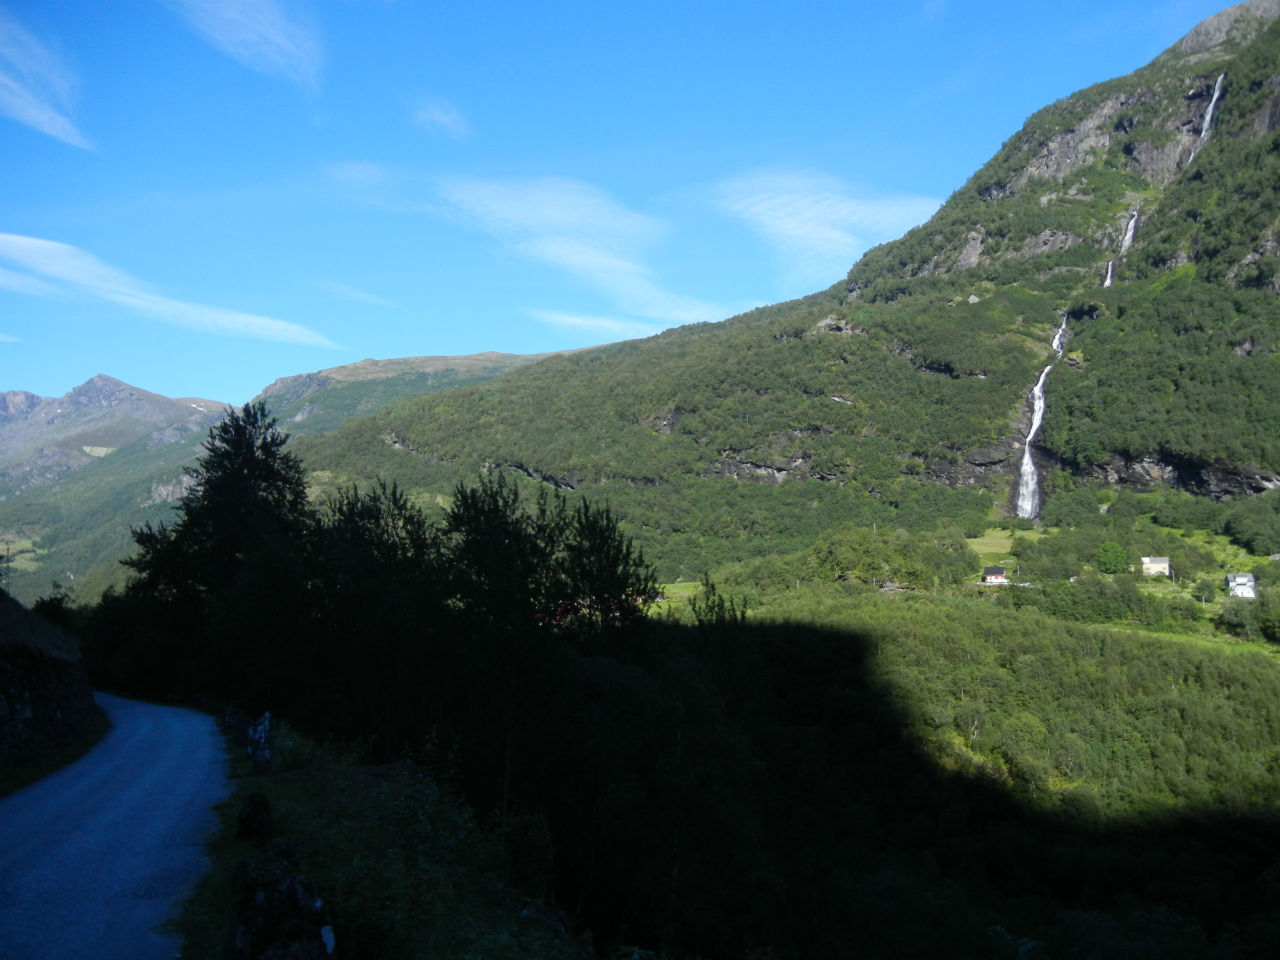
971	253
1219	481
1234	24
169	491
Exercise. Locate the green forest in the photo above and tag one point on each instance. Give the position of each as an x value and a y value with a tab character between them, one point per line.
847	750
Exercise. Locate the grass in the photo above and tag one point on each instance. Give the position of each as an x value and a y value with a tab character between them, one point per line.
406	868
681	590
993	546
1229	556
22	554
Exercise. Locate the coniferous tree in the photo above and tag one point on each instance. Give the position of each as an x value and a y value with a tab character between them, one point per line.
229	577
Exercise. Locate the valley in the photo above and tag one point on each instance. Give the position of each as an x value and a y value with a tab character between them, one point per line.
938	606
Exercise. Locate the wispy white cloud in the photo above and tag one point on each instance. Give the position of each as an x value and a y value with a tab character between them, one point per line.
35	87
552	207
59	268
932	10
442	118
358	173
27	284
610	327
261	35
5	338
818	224
580	229
352	294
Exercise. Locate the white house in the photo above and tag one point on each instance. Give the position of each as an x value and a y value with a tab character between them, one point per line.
1156	567
994	575
1241	585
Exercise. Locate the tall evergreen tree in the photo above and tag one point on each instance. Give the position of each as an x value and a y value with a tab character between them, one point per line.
229	576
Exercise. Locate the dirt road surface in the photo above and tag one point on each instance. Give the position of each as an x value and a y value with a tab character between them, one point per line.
96	856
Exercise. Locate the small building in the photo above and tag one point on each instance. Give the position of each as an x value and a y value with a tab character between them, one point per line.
1241	585
994	575
1156	567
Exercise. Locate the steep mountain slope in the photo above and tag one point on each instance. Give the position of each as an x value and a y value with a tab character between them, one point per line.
1141	210
1150	202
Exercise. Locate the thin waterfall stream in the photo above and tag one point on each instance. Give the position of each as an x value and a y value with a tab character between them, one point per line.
1028	478
1207	123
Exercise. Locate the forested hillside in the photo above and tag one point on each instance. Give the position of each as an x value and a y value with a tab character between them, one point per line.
849	773
77	473
900	714
1141	211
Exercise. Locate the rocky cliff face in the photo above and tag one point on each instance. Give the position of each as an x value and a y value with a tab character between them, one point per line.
45	700
1078	168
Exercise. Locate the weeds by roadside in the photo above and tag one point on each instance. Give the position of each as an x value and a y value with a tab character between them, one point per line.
406	868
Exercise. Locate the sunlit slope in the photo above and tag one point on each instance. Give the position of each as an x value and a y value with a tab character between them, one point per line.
1141	209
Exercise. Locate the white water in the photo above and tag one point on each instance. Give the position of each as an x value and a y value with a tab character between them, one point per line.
1127	240
1207	123
1208	114
1028	479
1057	338
1111	272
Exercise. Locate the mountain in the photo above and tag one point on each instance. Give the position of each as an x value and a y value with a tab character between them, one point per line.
361	388
1142	211
43	439
78	472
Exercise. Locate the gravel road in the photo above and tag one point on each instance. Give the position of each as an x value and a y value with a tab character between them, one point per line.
96	855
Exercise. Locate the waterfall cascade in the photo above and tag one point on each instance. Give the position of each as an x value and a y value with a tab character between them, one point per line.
1111	273
1207	123
1127	240
1028	479
1208	114
1057	338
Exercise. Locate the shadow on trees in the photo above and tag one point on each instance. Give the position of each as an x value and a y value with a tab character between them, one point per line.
723	793
720	791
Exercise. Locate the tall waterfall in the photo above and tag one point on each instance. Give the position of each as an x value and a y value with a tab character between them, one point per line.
1207	123
1028	479
1208	114
1127	240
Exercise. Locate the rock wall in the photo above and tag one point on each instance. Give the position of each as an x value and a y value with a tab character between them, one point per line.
45	700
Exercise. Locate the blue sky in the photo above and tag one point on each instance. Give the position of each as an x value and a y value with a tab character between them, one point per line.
200	196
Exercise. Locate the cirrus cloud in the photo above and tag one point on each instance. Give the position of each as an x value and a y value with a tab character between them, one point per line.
59	269
818	224
36	89
611	327
261	35
581	230
442	118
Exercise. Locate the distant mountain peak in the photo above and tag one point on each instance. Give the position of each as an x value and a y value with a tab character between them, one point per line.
104	391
